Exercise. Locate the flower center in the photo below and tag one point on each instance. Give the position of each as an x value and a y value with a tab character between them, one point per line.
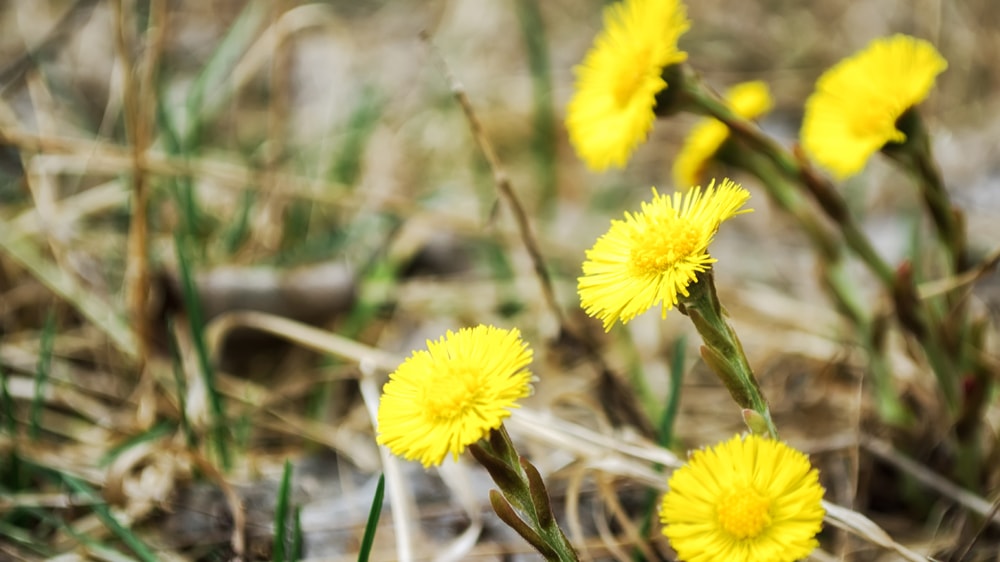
454	392
876	121
656	250
744	513
630	77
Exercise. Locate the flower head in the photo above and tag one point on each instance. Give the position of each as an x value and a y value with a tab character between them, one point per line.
853	112
450	396
611	111
745	500
652	256
749	100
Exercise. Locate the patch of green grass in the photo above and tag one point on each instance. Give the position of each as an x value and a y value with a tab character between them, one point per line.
284	548
158	431
220	436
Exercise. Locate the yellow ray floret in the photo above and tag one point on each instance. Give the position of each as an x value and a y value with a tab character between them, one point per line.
652	256
748	499
449	396
611	110
853	112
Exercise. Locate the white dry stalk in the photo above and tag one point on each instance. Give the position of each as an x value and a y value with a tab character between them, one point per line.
455	476
404	507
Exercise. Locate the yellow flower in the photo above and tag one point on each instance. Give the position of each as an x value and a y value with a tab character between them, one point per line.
853	112
450	396
652	256
745	500
611	111
749	100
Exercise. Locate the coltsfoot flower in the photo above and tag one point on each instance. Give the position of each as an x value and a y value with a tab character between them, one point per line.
749	100
652	256
854	110
749	499
611	111
451	395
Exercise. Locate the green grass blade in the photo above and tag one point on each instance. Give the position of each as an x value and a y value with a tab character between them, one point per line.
281	515
303	238
295	225
296	553
6	405
181	384
665	432
360	126
42	374
217	72
665	435
20	538
183	188
182	127
96	546
159	430
11	475
236	235
196	324
373	516
102	314
134	543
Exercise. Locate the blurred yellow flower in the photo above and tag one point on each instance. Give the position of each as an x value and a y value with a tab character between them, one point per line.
611	110
652	256
853	112
748	499
749	100
450	396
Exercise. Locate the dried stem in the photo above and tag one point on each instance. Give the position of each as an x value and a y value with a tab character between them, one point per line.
139	100
616	390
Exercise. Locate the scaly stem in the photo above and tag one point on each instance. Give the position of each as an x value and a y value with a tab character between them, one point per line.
522	503
723	351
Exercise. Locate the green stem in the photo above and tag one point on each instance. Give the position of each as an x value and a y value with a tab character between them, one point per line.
704	101
914	156
786	195
723	351
524	504
917	318
754	151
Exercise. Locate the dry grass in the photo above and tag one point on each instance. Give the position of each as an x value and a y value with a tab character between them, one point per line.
309	167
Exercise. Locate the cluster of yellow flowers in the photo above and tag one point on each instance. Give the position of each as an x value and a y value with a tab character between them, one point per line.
751	498
852	114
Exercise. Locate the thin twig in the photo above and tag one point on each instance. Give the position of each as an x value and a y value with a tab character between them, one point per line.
617	392
942	286
503	185
139	99
990	517
885	452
